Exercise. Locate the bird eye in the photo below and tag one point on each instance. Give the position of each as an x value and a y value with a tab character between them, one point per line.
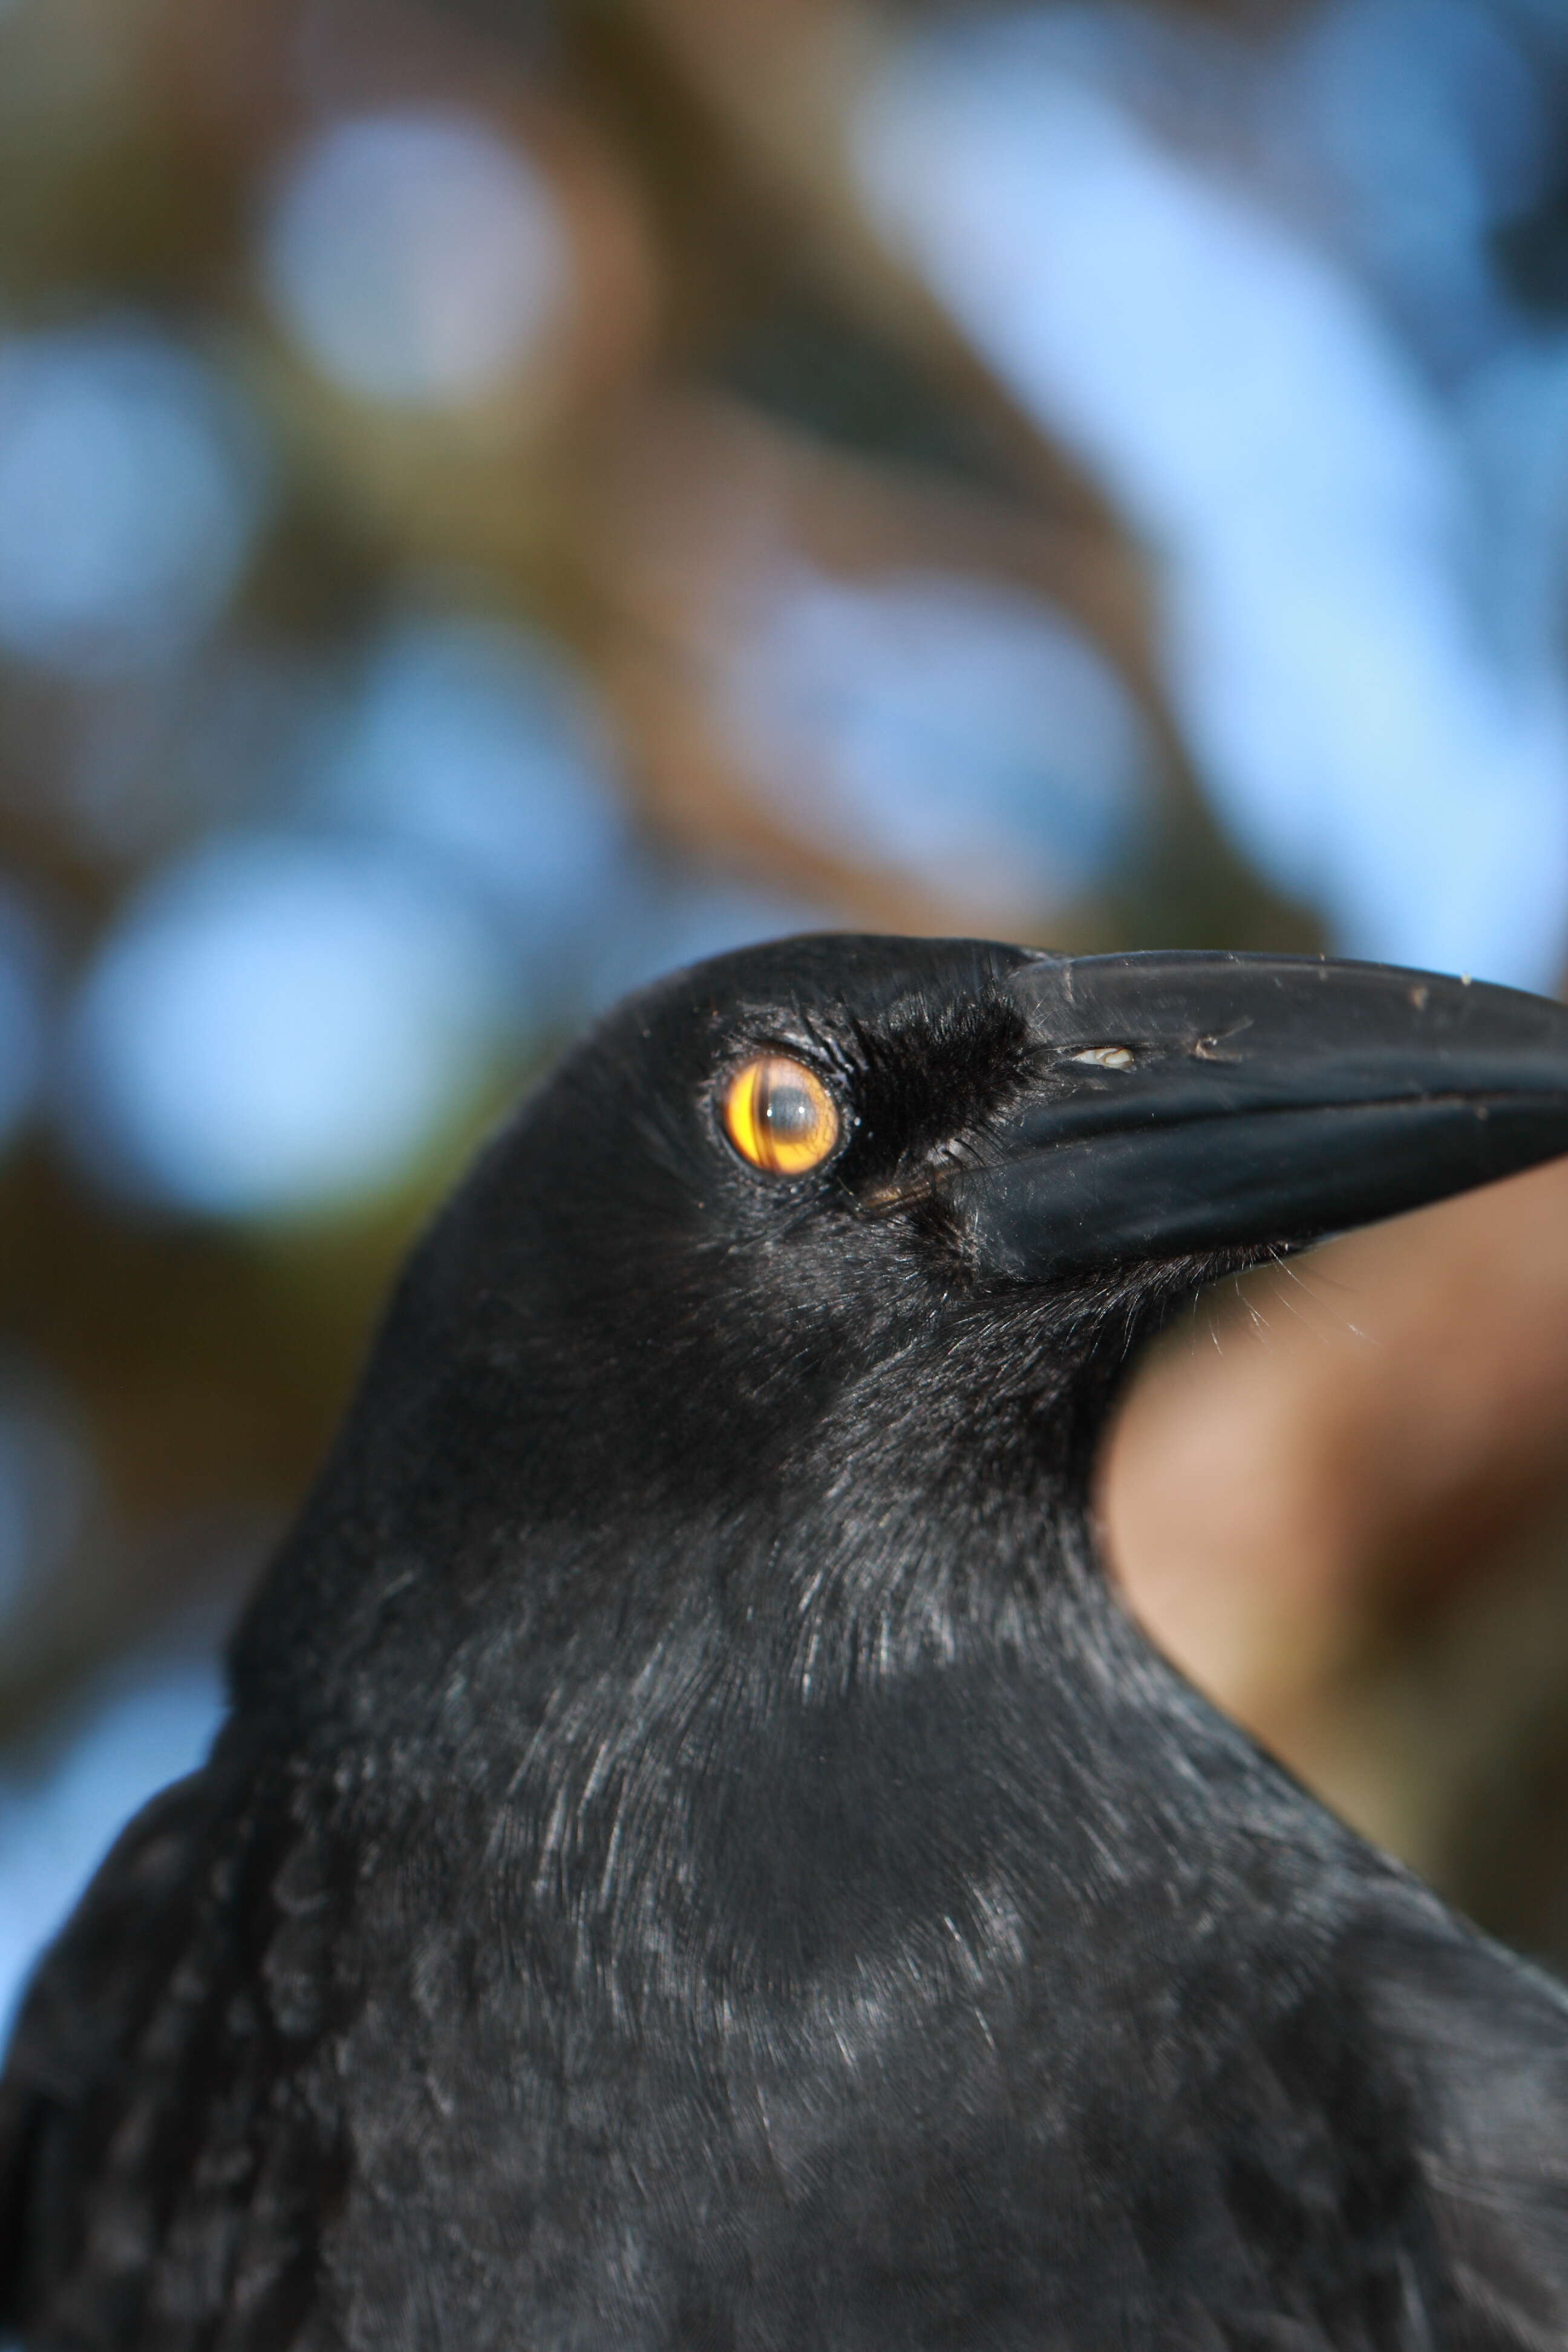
780	1116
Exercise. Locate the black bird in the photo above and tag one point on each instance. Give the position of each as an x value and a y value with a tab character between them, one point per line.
697	1858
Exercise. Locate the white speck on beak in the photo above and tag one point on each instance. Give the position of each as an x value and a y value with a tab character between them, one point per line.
1108	1057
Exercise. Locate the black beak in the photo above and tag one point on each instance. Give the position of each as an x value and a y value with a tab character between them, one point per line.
1190	1102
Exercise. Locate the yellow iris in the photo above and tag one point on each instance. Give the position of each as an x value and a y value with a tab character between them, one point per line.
780	1116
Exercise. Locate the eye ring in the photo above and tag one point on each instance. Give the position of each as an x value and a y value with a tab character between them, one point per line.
779	1116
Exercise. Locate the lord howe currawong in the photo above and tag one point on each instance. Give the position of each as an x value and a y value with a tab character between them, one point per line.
697	1856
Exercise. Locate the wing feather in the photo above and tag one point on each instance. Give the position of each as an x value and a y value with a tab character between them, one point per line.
1481	2038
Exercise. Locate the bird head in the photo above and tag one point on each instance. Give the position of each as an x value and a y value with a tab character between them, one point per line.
813	1269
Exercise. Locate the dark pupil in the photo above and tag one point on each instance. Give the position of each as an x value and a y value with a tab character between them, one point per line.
790	1113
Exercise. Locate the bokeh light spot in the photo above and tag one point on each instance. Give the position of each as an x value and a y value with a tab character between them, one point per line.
469	740
954	730
130	493
279	1024
414	257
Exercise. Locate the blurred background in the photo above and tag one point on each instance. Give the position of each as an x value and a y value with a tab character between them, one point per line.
501	497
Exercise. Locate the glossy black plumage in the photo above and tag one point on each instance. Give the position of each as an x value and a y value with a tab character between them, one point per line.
699	1859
